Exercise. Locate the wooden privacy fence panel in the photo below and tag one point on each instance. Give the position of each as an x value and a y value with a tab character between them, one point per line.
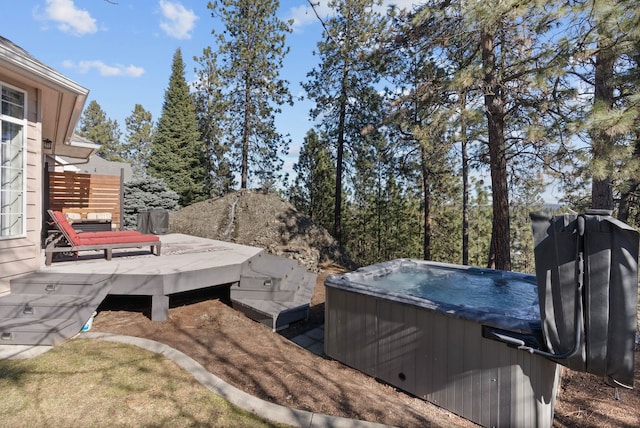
71	192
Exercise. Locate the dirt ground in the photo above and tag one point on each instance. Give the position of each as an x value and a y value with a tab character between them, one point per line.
268	365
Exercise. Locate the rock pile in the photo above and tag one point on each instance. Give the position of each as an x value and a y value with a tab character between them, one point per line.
260	220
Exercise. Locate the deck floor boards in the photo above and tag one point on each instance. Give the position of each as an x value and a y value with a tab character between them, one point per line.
187	263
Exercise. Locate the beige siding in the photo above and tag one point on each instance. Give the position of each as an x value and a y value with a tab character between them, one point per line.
22	255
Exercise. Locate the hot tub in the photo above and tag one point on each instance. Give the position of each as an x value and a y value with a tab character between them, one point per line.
429	328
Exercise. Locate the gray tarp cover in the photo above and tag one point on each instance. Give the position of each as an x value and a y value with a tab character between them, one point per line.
587	275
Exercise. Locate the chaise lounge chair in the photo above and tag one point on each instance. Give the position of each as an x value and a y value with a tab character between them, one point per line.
71	241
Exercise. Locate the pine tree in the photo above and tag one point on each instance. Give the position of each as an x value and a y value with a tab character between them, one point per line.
139	135
364	229
501	55
420	114
211	110
250	52
401	223
525	201
340	83
315	181
177	154
606	57
479	224
629	206
629	188
96	127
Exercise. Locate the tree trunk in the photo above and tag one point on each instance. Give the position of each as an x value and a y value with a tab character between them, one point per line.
465	180
244	174
495	112
629	195
379	209
626	200
426	195
602	141
337	211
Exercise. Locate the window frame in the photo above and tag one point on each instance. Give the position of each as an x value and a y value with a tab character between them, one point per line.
22	122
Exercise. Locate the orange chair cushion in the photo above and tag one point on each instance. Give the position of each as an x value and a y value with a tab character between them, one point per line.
121	239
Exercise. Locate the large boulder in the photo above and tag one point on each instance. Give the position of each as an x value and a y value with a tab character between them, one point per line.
262	220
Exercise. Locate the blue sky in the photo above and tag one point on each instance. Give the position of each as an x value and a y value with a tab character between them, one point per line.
121	50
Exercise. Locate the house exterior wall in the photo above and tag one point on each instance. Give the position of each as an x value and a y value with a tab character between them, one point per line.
19	256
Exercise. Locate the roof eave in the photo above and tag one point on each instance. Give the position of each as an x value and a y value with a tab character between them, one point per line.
18	61
46	75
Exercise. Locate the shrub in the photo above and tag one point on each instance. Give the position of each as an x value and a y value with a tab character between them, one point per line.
146	193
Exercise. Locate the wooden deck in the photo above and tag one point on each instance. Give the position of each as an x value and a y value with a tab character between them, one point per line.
187	263
51	305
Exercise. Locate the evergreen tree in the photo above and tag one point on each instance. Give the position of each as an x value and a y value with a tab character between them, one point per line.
501	55
479	224
605	57
420	116
468	124
340	84
177	154
364	228
96	127
315	181
629	187
629	206
603	140
251	51
138	137
525	201
211	109
401	224
146	193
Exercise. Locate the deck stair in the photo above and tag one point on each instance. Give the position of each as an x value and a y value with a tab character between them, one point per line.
47	309
273	290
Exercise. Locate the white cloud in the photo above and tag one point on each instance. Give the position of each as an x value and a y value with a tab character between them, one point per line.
69	18
104	69
304	15
178	21
402	4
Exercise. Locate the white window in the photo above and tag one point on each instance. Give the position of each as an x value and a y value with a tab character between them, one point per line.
12	162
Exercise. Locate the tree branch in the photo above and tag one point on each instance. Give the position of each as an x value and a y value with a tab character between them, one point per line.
324	25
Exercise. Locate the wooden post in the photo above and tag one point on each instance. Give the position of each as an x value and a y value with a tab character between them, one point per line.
121	198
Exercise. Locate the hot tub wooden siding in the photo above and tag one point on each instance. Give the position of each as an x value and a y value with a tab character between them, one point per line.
440	358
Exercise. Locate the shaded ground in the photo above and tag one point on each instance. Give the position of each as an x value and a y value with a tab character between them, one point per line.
268	365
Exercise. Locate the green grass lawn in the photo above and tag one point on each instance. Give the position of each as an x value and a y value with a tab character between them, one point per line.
97	383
